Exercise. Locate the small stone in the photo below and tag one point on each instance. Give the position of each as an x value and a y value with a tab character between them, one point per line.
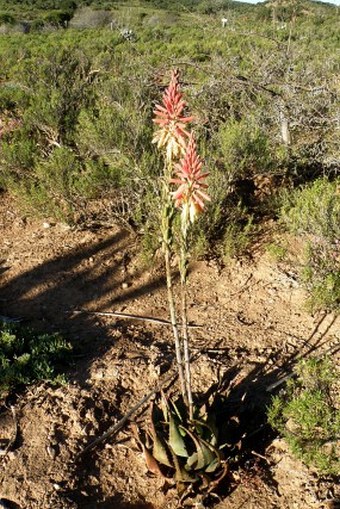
46	225
125	285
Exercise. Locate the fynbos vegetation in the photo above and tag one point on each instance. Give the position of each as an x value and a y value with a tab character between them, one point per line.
308	415
83	128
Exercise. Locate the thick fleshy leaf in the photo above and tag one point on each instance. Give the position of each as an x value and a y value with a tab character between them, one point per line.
192	462
151	462
207	430
181	474
211	424
179	410
176	441
205	455
159	451
156	417
213	465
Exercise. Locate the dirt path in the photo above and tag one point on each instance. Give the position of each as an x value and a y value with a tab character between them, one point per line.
253	327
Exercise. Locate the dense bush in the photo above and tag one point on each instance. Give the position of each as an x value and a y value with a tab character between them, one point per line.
308	416
58	18
313	212
244	149
6	18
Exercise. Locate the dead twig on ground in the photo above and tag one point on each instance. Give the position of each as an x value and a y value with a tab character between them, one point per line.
118	314
119	425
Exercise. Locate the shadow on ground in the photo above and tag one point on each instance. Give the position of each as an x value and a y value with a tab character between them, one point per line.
240	406
49	296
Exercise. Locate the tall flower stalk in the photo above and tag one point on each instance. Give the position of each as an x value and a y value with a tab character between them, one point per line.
166	230
170	136
189	197
183	167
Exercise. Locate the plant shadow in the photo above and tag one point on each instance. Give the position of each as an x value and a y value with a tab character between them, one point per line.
56	295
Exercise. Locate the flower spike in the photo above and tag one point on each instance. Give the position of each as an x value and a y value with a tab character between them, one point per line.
171	120
190	195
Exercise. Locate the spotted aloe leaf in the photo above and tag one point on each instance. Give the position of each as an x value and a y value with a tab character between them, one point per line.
159	449
213	465
179	412
192	462
207	430
211	425
204	454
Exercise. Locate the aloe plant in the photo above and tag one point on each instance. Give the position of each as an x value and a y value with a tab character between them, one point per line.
184	437
183	449
183	168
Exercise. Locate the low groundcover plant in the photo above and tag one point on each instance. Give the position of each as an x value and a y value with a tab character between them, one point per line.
27	357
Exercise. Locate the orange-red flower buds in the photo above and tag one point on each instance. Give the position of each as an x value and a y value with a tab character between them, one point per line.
171	120
190	195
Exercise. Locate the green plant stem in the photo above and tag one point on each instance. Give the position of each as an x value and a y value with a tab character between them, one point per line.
166	242
184	311
174	324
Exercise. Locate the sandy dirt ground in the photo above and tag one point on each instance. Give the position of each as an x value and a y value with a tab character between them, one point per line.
253	327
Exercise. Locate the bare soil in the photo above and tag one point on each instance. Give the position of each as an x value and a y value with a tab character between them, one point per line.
253	327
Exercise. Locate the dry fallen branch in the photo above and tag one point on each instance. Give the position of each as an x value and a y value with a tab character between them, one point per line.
119	425
159	321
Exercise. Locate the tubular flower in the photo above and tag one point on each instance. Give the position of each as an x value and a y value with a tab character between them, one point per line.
190	195
169	117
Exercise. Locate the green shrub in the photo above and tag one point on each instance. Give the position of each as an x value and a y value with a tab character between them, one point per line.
226	228
17	160
27	357
53	190
58	18
48	186
307	414
244	149
11	97
37	24
276	251
7	19
313	212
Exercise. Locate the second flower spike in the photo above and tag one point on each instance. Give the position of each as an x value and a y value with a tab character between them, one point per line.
190	195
